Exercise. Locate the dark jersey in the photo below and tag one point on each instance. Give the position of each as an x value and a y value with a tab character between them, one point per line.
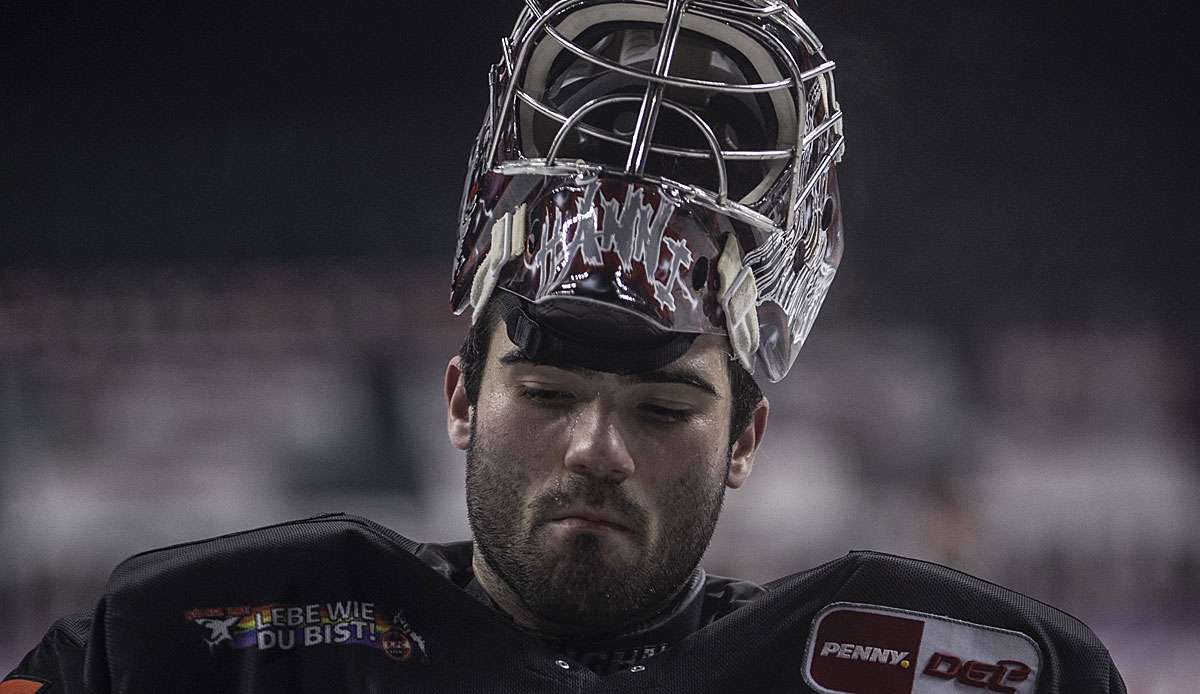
701	601
338	603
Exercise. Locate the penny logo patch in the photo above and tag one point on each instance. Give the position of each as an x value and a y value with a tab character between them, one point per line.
872	649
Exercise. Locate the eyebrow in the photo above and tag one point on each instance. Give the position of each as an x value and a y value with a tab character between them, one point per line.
516	356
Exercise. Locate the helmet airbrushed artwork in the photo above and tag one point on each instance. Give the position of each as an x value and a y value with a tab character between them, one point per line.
670	162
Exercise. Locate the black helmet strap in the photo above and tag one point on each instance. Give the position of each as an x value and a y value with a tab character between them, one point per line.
597	340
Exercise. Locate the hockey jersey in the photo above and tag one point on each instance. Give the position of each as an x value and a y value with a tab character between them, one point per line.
340	604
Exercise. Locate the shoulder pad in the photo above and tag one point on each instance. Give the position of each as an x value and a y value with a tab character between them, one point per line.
327	537
876	618
323	604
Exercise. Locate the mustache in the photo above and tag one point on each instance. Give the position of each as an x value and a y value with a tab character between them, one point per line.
578	490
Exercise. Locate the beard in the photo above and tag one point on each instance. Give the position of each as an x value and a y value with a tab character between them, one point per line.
591	583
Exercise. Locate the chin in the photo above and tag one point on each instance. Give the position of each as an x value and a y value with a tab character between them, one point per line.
586	550
594	582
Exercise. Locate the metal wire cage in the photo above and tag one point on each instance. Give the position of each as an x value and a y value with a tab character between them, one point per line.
779	191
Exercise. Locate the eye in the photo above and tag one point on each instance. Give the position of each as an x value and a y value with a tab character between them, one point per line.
666	414
546	396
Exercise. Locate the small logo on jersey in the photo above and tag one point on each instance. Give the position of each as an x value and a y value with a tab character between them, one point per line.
218	630
1003	676
872	649
402	643
282	627
606	662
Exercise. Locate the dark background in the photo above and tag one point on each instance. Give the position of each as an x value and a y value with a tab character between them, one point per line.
1005	160
225	243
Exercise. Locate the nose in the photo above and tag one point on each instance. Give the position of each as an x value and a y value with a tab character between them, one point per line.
597	447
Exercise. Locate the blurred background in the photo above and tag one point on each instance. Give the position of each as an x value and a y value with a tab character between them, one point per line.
225	243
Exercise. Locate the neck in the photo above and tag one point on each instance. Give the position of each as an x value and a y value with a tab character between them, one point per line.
509	602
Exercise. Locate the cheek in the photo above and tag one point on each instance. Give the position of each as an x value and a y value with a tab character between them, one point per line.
676	453
507	427
537	437
686	483
518	453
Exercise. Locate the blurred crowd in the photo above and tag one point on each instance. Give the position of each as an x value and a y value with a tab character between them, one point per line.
145	406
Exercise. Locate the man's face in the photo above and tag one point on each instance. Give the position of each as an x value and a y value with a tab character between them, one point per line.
594	495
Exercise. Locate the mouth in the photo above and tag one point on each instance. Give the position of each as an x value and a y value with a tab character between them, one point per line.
588	519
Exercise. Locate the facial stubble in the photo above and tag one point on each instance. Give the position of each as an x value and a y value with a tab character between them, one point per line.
589	585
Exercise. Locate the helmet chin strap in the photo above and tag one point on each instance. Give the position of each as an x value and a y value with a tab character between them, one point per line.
589	336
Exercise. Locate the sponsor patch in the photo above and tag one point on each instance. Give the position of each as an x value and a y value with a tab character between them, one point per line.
871	649
21	685
284	627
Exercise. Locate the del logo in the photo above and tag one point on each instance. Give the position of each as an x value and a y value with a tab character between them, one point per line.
871	649
995	677
285	627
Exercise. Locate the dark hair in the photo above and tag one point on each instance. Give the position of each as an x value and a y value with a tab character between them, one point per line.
474	353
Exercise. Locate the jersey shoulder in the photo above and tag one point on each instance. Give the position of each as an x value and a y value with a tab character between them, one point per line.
55	664
332	537
199	593
295	607
962	627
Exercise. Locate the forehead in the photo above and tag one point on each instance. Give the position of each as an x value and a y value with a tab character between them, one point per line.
706	359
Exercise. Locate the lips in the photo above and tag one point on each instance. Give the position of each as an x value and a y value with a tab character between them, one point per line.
590	515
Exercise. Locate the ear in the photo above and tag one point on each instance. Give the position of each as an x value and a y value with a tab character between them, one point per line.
742	456
458	406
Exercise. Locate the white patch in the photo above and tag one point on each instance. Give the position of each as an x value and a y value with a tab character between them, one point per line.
740	302
508	241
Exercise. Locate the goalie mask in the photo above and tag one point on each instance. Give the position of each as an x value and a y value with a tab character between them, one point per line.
651	170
